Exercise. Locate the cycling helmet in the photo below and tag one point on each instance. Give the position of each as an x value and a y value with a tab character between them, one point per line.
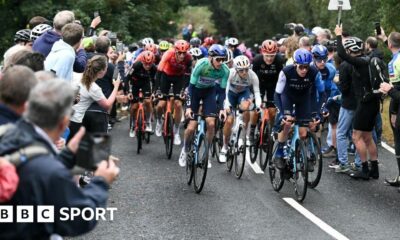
151	47
353	44
147	41
302	56
217	50
208	41
23	35
195	52
316	30
319	52
148	57
39	30
269	47
233	42
181	46
229	56
195	42
241	62
164	45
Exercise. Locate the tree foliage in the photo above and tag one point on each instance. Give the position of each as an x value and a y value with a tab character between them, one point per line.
131	19
255	21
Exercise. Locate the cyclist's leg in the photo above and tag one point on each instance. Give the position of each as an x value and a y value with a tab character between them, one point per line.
210	110
179	84
245	102
233	100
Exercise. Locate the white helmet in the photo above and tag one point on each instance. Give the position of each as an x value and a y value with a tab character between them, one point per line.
195	52
241	62
232	42
229	56
316	30
39	30
148	40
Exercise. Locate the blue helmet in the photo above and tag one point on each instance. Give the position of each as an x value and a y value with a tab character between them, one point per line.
302	56
217	50
319	52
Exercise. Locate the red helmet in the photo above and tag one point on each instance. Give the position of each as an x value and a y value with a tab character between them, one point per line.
151	47
148	57
269	47
208	41
182	46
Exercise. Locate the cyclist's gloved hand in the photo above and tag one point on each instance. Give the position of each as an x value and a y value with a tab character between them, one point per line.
222	115
189	113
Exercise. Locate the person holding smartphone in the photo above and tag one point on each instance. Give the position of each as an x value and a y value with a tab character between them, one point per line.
91	92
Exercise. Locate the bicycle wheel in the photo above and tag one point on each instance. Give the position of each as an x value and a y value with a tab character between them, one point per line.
147	137
200	164
300	170
218	141
189	167
275	174
314	160
169	135
265	146
139	133
240	149
256	146
229	159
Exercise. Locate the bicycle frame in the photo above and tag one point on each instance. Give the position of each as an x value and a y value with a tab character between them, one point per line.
200	132
140	111
295	136
168	110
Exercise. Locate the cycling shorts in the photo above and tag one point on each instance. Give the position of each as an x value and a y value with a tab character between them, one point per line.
208	97
146	90
365	115
237	98
265	88
166	81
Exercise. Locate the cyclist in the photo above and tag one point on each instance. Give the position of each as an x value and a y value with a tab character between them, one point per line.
202	87
232	44
267	66
241	77
163	47
328	73
152	48
23	37
196	55
140	76
195	42
174	65
208	41
297	84
229	58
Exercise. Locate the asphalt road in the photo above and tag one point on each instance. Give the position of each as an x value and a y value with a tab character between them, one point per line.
154	201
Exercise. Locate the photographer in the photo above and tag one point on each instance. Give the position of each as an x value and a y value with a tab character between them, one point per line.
44	180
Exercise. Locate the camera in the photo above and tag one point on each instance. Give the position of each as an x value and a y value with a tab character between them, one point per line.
120	46
93	148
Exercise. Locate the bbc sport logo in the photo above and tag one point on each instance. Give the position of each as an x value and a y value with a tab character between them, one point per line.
45	214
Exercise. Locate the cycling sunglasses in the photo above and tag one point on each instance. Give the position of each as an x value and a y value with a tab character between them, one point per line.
220	59
303	66
320	60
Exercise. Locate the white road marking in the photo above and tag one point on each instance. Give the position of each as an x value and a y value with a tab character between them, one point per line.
254	165
310	216
387	147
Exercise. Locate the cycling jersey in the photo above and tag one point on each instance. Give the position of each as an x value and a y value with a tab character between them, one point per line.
238	85
171	67
204	75
140	78
394	69
203	85
301	91
268	74
327	76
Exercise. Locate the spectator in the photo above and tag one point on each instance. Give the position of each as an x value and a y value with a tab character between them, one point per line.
304	42
62	55
91	92
36	21
45	42
44	180
371	47
33	60
96	117
15	86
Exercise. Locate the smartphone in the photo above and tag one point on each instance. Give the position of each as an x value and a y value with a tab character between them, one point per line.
112	35
93	148
378	28
120	47
96	14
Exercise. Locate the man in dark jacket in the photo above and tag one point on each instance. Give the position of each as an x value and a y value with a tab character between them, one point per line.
367	103
44	180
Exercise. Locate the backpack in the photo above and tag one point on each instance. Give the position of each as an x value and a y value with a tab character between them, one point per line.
23	154
378	74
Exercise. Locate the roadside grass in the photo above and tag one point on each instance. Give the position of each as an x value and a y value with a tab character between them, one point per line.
387	134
